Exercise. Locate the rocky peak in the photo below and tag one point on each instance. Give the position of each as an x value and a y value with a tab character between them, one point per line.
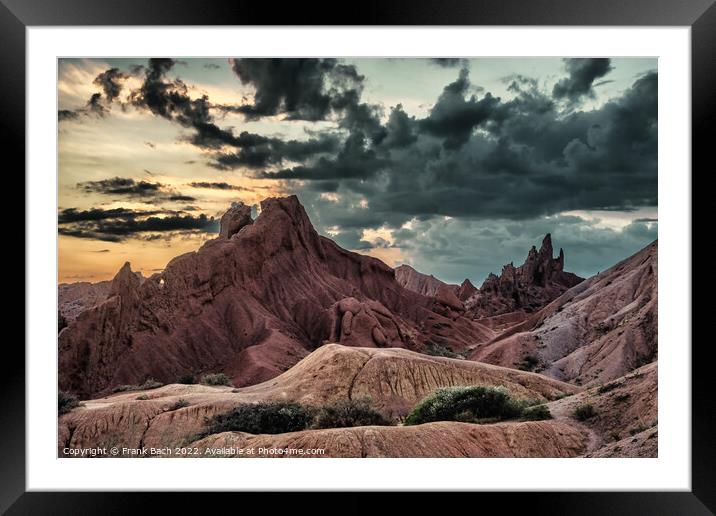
546	248
427	285
466	290
527	287
124	281
238	216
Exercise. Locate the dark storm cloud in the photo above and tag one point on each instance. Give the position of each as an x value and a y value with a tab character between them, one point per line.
453	117
473	155
302	89
67	114
119	224
259	152
582	74
74	215
525	159
353	161
122	186
95	106
400	129
216	185
154	193
448	62
169	99
110	81
181	198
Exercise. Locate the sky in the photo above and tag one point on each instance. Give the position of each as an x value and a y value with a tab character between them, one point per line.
454	166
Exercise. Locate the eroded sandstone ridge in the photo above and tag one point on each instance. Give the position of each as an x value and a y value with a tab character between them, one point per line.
598	330
526	288
251	303
624	421
502	300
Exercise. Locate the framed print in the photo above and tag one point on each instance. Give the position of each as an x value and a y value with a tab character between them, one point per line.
421	251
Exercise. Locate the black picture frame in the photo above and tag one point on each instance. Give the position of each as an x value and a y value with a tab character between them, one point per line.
700	15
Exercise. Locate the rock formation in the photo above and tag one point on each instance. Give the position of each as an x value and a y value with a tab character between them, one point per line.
502	300
598	330
526	288
427	285
75	298
394	379
251	303
624	424
238	216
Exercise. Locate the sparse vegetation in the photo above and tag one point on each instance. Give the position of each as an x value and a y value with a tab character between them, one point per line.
66	402
620	398
275	417
149	383
469	404
529	363
347	413
602	328
584	412
180	403
607	387
437	350
143	397
215	379
536	413
187	379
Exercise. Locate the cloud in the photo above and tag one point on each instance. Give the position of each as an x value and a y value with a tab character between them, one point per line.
466	248
67	114
121	186
111	82
127	187
453	117
217	186
300	89
448	62
118	224
259	152
69	215
580	82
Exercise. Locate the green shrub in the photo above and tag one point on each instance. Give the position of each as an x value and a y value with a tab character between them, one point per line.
149	383
473	403
536	413
66	402
437	350
584	412
347	413
274	417
607	387
180	403
187	379
215	379
620	398
143	397
529	363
